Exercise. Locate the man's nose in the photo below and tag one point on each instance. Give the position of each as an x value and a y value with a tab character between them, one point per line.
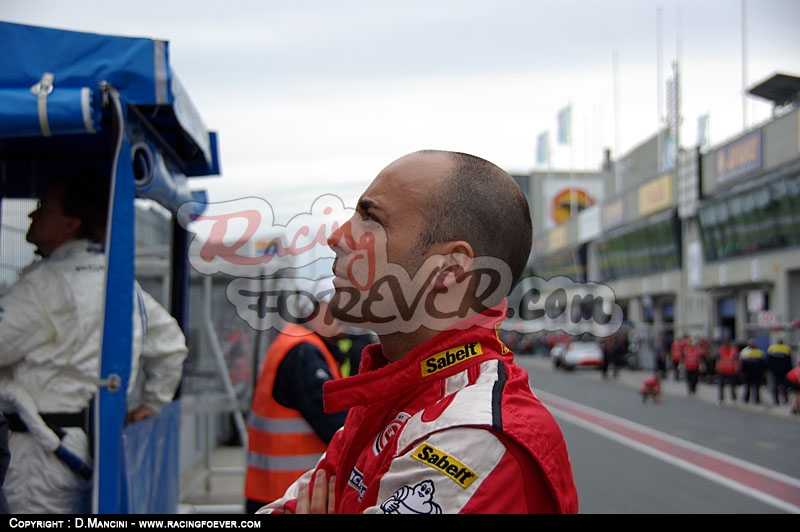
335	240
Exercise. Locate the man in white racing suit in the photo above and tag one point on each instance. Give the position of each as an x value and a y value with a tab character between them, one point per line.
50	337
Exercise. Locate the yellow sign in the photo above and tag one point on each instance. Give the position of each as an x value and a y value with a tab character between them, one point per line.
569	202
655	195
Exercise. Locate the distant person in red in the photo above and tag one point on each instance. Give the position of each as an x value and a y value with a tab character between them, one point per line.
727	369
615	351
676	349
692	360
793	383
705	356
650	389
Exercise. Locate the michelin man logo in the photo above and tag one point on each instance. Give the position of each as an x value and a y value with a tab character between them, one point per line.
416	500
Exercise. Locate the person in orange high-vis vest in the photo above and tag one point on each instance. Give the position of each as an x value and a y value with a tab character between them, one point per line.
727	369
692	359
676	349
288	430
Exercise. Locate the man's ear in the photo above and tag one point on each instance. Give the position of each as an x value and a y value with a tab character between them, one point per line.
457	261
71	227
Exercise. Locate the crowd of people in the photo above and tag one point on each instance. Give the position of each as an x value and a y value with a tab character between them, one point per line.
732	365
741	371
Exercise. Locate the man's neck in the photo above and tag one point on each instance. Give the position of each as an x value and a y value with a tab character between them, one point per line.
52	249
396	346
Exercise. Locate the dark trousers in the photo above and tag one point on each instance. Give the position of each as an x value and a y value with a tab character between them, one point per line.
608	360
251	506
778	368
752	376
661	366
727	380
692	376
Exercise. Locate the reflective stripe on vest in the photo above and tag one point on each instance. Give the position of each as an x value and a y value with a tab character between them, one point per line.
780	350
751	353
282	445
283	463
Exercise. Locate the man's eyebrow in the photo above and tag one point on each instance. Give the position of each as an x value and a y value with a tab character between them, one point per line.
366	204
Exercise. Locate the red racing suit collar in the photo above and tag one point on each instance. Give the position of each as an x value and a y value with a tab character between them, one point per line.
379	380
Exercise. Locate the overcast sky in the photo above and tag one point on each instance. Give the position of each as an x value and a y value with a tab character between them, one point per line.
314	97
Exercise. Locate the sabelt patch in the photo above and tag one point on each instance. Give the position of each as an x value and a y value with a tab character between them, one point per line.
449	358
444	463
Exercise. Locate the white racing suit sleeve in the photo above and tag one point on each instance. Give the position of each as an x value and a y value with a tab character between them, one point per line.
163	351
26	408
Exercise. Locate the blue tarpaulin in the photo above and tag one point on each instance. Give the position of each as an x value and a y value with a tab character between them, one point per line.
41	111
152	462
74	98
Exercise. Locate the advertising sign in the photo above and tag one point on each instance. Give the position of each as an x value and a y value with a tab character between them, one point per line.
739	157
565	198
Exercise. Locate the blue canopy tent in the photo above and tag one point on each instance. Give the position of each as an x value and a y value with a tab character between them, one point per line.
70	98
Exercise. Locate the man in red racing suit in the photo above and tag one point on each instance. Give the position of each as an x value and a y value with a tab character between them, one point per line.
400	450
440	419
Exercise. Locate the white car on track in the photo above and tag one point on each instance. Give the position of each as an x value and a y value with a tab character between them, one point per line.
583	352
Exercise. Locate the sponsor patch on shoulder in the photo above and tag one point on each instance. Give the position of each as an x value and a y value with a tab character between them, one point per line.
452	468
505	348
449	358
389	432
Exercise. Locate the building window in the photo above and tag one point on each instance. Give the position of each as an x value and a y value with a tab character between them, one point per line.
760	219
571	263
652	248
